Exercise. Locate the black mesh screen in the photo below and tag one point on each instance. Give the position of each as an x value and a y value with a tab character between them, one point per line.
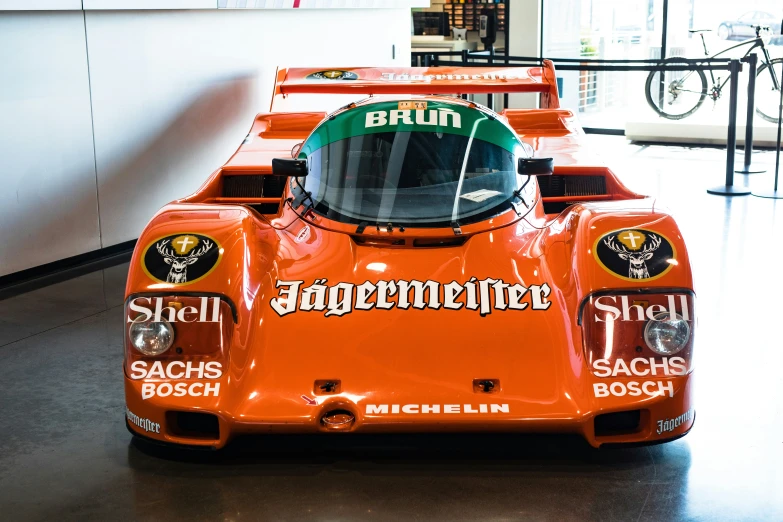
553	186
253	186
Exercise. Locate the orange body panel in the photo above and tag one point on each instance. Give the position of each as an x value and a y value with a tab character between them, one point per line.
412	368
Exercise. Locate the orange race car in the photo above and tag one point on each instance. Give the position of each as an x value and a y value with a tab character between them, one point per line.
411	262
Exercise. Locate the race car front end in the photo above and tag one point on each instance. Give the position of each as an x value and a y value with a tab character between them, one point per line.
177	350
353	350
410	280
639	349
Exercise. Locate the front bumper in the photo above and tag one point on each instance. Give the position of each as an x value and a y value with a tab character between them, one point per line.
210	422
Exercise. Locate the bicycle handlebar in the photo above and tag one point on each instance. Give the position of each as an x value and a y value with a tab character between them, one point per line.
759	28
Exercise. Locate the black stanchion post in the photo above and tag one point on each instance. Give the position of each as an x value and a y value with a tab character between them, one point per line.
775	193
505	95
662	80
464	64
731	140
747	168
505	61
491	61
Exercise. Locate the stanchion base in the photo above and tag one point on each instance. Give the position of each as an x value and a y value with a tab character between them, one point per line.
771	194
726	190
751	169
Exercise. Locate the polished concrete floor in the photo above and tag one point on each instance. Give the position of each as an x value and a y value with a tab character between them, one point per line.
65	453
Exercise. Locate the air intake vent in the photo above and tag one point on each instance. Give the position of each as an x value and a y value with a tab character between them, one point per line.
253	186
585	185
424	242
274	186
378	241
436	242
559	186
195	425
243	186
618	423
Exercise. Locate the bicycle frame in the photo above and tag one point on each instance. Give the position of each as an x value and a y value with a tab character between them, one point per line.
758	41
676	84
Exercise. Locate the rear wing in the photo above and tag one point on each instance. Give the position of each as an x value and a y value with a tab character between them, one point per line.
420	81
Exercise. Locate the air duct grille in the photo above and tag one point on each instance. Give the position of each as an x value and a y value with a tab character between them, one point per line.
253	186
559	186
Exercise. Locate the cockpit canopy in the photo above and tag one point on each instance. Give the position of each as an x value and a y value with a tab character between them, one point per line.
412	163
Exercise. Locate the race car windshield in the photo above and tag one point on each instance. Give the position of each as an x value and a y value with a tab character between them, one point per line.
412	178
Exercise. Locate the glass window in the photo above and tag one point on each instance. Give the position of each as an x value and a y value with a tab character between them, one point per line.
633	29
607	30
422	162
730	23
411	179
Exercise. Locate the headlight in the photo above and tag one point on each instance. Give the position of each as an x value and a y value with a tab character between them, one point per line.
151	337
667	336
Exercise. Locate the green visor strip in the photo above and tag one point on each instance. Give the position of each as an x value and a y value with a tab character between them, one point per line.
389	117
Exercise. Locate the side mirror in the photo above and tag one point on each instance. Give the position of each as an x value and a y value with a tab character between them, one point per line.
536	166
296	168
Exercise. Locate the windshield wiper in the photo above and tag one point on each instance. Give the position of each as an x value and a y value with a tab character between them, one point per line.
299	200
518	192
458	193
302	196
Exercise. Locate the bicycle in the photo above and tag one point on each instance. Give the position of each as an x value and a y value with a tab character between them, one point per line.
667	91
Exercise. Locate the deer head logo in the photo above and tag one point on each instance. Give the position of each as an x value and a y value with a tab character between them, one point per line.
637	259
179	264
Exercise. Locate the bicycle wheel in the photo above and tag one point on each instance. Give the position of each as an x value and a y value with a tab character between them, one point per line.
767	96
675	94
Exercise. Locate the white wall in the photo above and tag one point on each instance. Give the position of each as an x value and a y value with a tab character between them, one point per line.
173	95
48	205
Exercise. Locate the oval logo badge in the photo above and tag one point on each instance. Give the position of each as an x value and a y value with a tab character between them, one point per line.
303	234
181	258
635	254
332	75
